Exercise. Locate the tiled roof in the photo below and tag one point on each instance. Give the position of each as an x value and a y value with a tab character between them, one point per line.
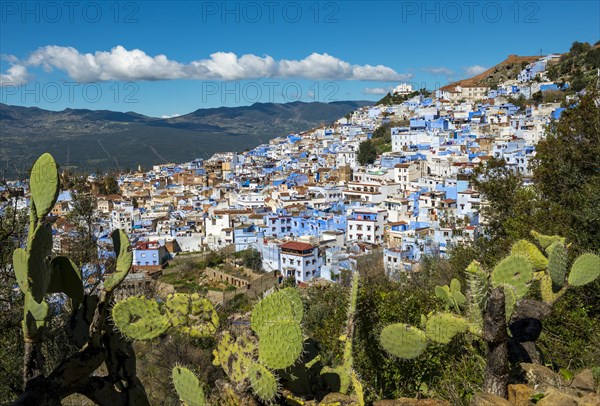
297	246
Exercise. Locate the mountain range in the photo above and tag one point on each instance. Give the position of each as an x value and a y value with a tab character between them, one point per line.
88	140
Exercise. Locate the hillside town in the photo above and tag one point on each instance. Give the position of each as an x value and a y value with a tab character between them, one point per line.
309	207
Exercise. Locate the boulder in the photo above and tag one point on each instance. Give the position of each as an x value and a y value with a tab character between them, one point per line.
554	397
519	395
591	399
411	402
540	375
584	380
338	399
487	399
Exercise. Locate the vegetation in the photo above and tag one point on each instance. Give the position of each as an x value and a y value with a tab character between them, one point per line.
367	154
395	98
500	291
578	66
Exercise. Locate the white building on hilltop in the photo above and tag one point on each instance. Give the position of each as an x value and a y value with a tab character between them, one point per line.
403	88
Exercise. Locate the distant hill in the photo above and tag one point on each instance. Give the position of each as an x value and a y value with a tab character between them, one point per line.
92	139
505	70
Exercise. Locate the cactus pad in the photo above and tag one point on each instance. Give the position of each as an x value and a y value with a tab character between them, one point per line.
403	341
585	269
529	250
547	240
235	356
20	261
124	259
548	294
192	315
280	345
35	315
65	277
478	285
557	264
513	270
188	387
139	318
443	293
285	304
45	184
32	263
510	300
263	383
442	327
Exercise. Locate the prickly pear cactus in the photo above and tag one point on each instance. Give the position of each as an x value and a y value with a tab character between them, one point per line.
35	316
235	355
514	270
529	250
249	360
192	314
584	270
66	277
451	295
547	240
477	288
45	185
285	304
403	340
281	345
276	321
139	318
263	383
443	327
188	387
124	260
557	264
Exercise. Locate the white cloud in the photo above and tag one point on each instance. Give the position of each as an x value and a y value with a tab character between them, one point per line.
14	76
377	90
474	70
439	70
170	115
122	64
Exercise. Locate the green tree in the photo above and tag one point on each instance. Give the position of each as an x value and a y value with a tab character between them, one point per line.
366	153
12	235
566	172
109	185
81	245
508	209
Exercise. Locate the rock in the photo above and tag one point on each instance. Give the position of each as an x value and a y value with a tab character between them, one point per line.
584	380
540	375
487	399
411	402
519	395
554	397
591	399
338	399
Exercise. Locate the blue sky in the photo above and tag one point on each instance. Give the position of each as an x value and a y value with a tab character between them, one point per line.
166	58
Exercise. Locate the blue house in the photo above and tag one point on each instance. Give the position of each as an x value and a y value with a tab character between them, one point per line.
246	236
